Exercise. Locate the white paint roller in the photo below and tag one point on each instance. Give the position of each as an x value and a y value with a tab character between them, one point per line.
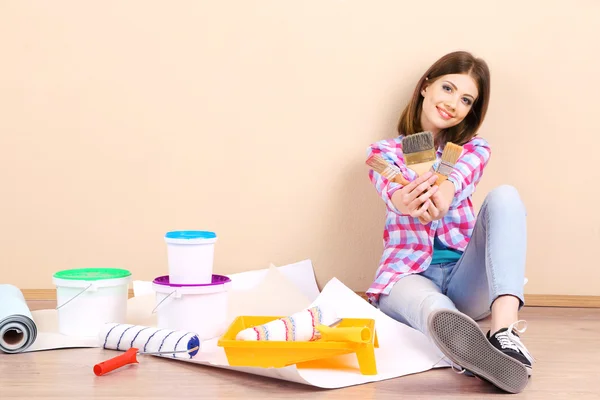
147	339
300	326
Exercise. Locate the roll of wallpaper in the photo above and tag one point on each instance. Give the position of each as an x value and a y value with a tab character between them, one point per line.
147	339
17	328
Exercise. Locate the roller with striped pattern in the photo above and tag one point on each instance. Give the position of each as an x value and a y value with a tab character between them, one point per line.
148	339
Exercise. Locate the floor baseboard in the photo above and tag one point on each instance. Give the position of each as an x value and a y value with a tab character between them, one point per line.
531	300
46	294
553	300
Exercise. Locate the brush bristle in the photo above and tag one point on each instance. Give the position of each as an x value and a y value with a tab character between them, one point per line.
422	141
450	155
380	165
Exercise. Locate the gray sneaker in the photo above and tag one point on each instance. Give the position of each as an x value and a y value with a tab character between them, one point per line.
464	343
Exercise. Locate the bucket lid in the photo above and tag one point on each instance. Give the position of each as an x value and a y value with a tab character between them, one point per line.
92	274
219	284
190	235
216	280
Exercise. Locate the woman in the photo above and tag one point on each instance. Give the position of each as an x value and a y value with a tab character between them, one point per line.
443	267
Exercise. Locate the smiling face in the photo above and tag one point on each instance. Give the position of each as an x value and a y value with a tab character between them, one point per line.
447	101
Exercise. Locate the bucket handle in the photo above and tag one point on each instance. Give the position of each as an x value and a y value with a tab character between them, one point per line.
73	298
169	295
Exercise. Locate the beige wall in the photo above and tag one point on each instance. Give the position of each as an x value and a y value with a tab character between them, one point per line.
121	120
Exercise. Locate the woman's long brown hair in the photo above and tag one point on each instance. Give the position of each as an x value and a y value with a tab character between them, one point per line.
459	62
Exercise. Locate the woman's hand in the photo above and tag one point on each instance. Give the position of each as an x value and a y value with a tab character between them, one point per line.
439	203
414	198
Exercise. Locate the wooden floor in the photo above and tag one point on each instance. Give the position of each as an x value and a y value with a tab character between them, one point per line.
565	342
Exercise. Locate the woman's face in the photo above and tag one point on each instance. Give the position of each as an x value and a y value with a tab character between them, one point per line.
447	101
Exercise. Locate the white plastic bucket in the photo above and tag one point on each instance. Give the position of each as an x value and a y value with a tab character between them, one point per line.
190	256
88	298
200	309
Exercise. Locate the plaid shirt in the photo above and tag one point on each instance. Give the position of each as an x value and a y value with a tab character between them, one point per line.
408	244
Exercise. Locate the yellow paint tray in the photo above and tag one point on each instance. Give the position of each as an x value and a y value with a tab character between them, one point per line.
278	354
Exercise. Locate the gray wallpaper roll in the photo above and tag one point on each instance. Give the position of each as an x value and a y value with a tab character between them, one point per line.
17	329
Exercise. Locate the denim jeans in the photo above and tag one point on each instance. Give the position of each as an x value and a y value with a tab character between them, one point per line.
492	265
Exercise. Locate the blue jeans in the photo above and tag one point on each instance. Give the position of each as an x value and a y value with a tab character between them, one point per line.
492	265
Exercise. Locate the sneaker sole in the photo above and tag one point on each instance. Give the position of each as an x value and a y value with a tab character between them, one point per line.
462	341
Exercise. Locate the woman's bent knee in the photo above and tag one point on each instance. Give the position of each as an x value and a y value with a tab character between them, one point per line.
505	197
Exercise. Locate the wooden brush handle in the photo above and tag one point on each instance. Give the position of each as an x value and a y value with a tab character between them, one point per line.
400	179
422	168
441	179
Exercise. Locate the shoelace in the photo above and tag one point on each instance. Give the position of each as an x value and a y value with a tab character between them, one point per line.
455	367
462	371
509	340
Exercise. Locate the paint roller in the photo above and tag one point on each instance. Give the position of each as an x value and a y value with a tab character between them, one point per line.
136	340
17	328
314	323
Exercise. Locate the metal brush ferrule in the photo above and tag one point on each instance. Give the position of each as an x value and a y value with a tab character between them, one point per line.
444	168
391	171
420	157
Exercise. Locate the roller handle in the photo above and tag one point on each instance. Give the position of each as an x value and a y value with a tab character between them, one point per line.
129	357
355	334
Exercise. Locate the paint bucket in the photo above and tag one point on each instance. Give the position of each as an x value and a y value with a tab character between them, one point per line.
87	298
190	256
201	309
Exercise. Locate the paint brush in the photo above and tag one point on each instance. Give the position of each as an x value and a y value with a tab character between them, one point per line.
450	155
387	170
419	152
130	357
391	172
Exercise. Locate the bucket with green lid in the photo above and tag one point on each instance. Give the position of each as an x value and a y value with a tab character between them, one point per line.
88	298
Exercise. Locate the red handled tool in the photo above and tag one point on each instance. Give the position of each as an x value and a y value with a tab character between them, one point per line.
129	357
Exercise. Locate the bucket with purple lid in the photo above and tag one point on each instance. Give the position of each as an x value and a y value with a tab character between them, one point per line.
190	256
199	308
